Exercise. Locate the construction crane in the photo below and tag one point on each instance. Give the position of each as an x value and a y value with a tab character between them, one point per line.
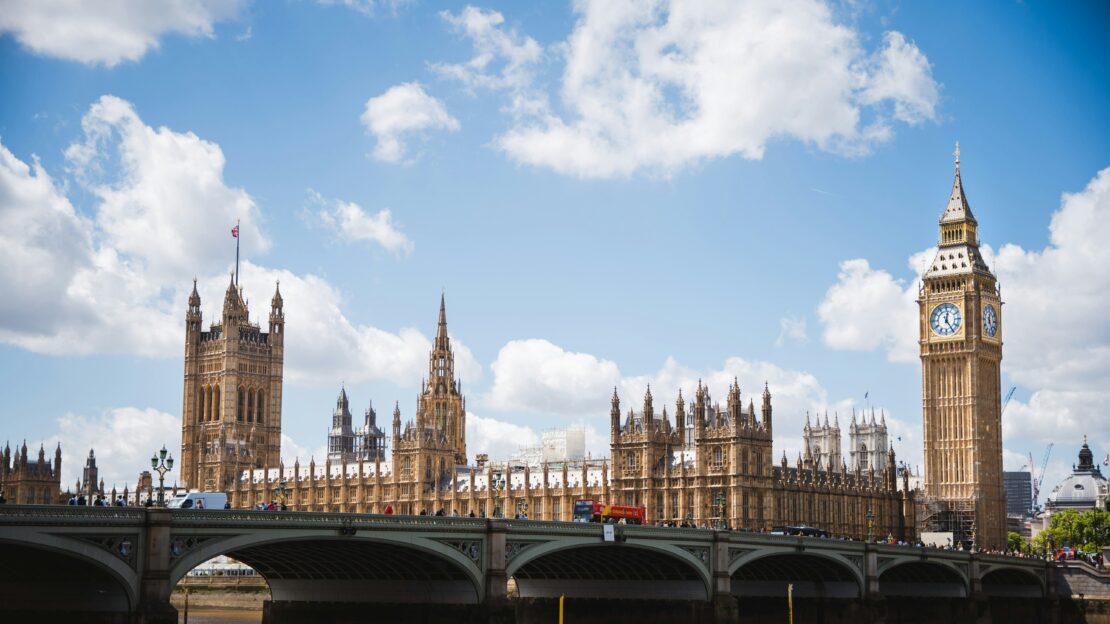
1037	481
1005	402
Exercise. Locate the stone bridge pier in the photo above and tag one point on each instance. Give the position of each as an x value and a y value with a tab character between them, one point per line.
122	564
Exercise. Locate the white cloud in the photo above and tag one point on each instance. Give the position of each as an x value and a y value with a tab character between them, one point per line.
352	224
292	452
791	328
498	438
1057	341
537	377
124	439
369	8
403	110
869	309
117	282
503	58
662	85
108	33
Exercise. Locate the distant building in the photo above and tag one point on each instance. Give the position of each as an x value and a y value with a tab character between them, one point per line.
1019	492
1085	488
823	443
556	445
341	438
869	442
30	481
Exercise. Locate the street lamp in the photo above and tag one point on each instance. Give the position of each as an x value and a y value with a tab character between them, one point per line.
870	525
281	490
162	464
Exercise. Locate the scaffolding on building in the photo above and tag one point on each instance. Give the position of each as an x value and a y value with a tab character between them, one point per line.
948	516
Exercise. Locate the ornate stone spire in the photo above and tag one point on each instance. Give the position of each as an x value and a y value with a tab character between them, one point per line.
958	208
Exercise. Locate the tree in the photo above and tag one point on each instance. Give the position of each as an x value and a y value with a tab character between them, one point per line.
1088	531
1014	541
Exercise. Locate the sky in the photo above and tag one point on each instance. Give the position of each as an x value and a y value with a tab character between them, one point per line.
608	194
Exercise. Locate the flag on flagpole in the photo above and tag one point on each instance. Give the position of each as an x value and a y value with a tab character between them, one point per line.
865	394
235	231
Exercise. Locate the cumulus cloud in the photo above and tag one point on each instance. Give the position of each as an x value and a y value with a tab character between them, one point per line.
403	110
108	33
1057	340
117	282
537	377
500	439
791	328
123	438
369	8
661	85
353	224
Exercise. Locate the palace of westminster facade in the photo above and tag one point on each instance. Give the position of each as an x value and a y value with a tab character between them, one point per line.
705	463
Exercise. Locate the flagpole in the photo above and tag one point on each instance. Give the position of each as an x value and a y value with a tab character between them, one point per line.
237	252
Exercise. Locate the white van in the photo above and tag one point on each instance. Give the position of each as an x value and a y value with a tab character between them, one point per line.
198	500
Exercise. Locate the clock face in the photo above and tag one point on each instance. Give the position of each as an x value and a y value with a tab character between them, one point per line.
990	320
945	319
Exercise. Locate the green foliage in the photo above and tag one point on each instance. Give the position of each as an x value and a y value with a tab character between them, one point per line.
1088	531
1014	541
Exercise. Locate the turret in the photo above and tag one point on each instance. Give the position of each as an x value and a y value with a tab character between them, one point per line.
193	315
766	407
614	416
699	410
58	460
277	317
396	424
735	407
680	418
649	412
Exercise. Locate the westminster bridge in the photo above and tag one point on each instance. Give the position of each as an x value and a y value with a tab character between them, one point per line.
120	564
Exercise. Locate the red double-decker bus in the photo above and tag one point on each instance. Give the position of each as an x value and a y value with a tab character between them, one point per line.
589	510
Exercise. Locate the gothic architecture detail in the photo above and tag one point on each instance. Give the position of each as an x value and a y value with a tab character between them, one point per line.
232	397
823	443
30	481
869	441
345	445
960	328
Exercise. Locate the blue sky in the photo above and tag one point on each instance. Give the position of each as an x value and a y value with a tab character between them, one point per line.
608	194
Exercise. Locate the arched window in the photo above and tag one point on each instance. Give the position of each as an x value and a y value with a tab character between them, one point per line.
241	405
863	457
250	405
718	457
216	403
259	416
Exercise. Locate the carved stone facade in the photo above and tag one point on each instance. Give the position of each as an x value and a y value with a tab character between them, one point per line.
822	443
724	475
960	320
25	481
232	400
869	441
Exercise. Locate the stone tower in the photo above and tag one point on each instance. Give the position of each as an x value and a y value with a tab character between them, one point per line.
430	448
823	442
341	437
231	412
869	442
960	324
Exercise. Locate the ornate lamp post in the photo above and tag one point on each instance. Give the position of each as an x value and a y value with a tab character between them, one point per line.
281	490
870	525
162	464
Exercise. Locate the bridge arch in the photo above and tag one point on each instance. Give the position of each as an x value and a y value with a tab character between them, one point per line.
588	568
918	577
1012	582
324	566
40	570
814	574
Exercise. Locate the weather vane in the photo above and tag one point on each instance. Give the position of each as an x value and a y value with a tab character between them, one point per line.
957	152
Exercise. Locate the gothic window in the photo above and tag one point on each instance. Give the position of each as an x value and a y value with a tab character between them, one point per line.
250	405
240	405
259	417
863	457
216	403
407	471
744	468
718	457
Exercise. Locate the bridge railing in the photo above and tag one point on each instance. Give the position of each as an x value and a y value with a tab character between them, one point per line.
29	515
308	519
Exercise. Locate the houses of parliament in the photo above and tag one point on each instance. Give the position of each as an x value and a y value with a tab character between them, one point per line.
700	461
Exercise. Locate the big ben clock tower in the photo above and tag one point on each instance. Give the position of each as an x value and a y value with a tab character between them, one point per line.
960	325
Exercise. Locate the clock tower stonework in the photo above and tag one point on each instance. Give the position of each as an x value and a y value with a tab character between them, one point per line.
960	328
